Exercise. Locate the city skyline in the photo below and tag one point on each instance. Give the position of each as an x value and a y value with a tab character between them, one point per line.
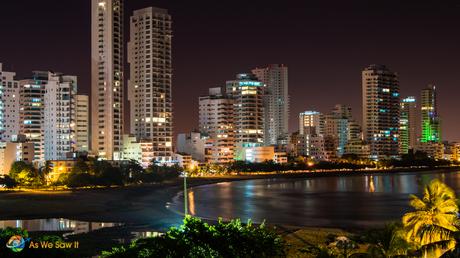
420	48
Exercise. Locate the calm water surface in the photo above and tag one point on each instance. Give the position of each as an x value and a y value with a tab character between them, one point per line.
348	201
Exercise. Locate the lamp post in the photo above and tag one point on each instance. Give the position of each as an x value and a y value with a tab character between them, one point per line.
185	194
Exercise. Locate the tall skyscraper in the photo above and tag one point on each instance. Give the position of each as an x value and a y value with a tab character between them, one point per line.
380	88
9	105
107	78
82	124
408	125
31	114
217	120
431	122
276	102
150	83
247	93
60	117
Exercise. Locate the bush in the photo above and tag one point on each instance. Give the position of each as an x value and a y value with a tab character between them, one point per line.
8	182
198	239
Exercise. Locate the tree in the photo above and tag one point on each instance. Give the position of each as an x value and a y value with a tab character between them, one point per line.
8	182
25	174
431	227
386	242
198	239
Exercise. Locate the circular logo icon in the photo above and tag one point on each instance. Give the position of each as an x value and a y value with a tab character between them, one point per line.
16	243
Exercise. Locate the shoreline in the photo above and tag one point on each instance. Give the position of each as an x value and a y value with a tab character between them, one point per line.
204	180
144	205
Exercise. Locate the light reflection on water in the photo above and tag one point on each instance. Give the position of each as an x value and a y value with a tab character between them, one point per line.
361	200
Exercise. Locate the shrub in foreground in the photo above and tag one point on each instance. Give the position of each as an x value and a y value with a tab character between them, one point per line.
198	239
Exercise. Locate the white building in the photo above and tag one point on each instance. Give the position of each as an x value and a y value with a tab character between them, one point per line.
276	102
15	151
247	93
216	116
31	112
82	123
60	117
311	122
150	82
107	50
194	144
132	149
253	153
9	105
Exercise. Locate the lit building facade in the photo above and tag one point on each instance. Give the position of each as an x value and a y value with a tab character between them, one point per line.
194	144
252	153
16	151
217	120
59	124
248	111
408	125
380	88
31	112
276	102
131	148
9	105
107	50
150	82
311	122
82	123
431	122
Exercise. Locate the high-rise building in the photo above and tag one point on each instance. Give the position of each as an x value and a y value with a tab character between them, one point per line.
337	130
431	122
380	88
247	93
31	112
9	105
276	102
107	78
150	82
311	123
82	123
59	135
217	120
408	125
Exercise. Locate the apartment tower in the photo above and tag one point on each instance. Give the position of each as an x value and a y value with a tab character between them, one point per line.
150	82
82	123
9	105
60	117
107	78
276	102
431	122
408	125
217	120
380	88
247	92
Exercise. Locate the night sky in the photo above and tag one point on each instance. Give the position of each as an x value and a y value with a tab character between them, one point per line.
326	44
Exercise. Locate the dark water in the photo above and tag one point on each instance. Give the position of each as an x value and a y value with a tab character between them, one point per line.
347	201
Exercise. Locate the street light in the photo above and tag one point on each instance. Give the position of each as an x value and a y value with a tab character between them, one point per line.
185	194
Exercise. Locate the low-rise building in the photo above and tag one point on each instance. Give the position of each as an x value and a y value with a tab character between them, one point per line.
254	153
131	148
16	151
280	157
434	150
358	148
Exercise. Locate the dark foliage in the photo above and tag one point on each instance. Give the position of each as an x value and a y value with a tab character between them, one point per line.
198	239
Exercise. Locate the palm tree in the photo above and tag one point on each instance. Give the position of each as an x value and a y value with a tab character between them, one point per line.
431	227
